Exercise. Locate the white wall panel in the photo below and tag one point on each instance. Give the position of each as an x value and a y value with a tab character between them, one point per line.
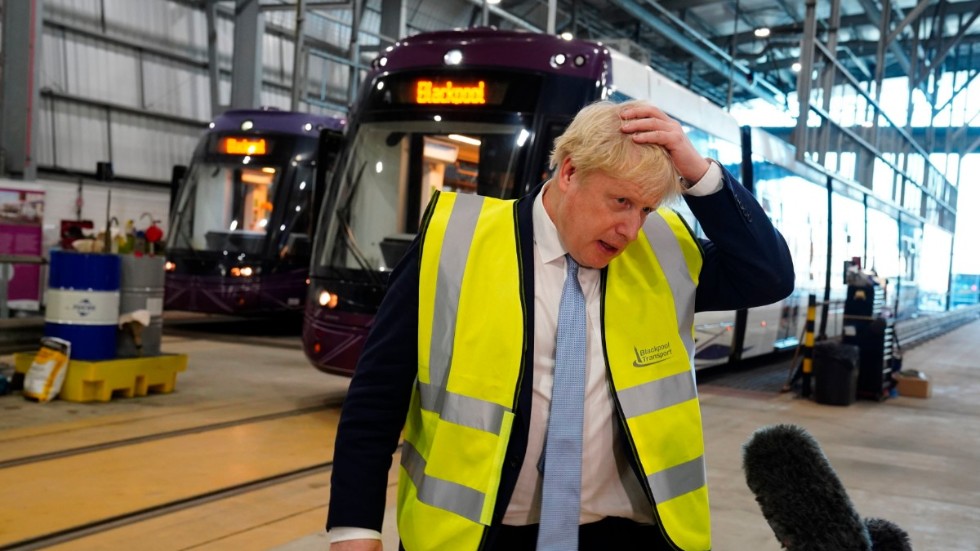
52	61
148	149
439	14
127	203
172	87
328	29
275	98
226	38
273	65
333	73
45	138
102	71
77	133
84	13
176	26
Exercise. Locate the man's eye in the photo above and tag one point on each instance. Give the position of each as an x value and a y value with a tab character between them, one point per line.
621	200
647	210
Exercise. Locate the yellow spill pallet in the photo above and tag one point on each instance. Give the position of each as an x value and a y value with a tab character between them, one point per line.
125	377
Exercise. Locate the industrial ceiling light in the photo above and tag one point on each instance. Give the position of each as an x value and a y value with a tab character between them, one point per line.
762	32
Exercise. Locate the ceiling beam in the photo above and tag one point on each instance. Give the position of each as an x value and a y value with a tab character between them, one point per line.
847	21
705	52
941	55
912	16
918	133
678	5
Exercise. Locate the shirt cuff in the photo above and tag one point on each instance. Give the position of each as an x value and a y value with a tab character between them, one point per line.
344	533
711	182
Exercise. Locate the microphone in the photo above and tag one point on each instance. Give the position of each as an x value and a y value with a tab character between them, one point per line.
887	536
799	493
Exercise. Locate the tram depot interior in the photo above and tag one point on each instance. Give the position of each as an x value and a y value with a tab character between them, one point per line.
179	190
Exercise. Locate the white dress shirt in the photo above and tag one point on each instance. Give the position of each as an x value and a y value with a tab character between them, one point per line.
609	487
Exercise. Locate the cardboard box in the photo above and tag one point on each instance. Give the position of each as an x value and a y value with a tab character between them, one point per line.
914	386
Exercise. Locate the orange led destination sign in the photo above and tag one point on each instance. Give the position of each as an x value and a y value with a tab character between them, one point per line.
242	146
450	93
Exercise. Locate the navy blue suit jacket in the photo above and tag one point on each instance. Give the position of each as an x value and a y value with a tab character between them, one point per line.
746	263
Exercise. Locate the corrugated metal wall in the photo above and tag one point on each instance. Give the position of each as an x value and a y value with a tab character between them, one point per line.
128	85
127	81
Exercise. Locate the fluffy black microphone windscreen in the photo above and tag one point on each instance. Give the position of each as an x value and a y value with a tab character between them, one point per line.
799	493
887	536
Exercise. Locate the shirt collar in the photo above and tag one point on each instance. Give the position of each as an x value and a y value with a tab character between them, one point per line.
545	233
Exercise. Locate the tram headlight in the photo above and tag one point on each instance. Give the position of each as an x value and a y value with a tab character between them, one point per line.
327	299
242	271
169	266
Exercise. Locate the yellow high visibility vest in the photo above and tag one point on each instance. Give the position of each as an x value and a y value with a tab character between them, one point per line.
471	343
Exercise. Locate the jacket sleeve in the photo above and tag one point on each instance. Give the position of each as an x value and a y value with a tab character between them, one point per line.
746	260
375	408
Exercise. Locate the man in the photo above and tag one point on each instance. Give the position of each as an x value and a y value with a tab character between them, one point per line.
465	343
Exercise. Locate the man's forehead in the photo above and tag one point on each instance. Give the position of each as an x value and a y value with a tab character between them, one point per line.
643	193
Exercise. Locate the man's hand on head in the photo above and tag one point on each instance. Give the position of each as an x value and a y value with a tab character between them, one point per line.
649	125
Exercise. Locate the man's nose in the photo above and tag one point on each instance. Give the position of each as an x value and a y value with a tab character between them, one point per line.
630	225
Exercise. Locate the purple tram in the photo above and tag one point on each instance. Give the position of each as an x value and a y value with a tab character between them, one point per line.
472	111
242	218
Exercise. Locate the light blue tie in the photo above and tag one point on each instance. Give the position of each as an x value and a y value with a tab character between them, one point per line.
562	487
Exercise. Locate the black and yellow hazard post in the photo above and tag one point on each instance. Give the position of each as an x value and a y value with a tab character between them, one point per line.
811	316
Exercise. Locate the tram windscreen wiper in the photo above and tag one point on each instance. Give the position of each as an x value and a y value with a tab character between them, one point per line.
346	235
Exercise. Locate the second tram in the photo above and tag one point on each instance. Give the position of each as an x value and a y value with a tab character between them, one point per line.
243	218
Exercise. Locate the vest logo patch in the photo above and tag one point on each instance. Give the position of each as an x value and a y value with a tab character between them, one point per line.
652	355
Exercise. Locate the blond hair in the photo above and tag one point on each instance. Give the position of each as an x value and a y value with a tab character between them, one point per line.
594	142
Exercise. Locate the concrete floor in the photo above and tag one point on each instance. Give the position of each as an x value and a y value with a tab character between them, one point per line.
912	461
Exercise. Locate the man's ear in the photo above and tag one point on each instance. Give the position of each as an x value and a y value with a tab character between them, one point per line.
565	172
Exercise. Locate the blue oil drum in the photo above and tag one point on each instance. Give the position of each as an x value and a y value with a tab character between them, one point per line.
83	303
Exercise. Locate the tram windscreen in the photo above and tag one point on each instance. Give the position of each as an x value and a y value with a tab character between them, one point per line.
225	207
389	175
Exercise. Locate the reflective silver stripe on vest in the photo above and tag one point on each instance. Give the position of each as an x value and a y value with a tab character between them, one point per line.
677	480
452	264
451	407
675	389
462	410
674	265
450	496
659	394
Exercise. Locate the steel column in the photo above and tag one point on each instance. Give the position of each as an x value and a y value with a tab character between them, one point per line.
804	79
299	58
21	98
246	64
392	21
